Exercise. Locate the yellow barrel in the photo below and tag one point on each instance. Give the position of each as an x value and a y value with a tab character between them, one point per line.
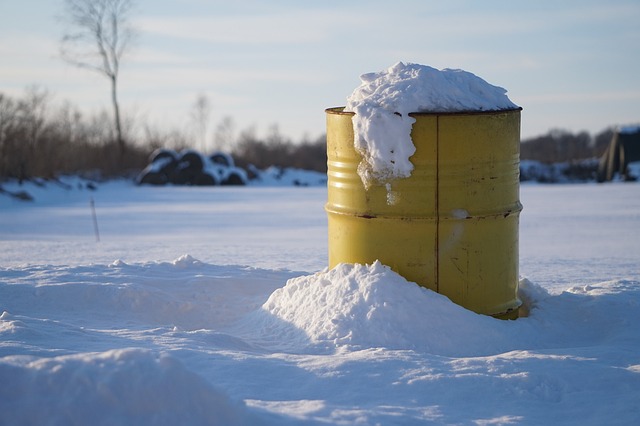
452	226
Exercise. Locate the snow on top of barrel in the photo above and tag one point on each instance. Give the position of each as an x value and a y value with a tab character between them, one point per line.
406	88
383	101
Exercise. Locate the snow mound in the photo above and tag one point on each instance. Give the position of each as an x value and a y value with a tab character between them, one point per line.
367	306
356	307
124	386
185	294
187	261
382	104
286	176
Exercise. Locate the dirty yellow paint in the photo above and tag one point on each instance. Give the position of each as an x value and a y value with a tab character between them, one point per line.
452	226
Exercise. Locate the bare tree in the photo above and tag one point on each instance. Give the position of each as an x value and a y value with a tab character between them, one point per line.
8	124
224	135
200	112
100	34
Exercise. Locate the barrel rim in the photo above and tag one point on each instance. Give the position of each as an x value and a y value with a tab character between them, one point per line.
341	111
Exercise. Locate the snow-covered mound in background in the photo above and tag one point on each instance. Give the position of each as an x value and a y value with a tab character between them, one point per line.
193	168
569	172
286	176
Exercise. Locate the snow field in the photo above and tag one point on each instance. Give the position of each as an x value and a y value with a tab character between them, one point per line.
267	335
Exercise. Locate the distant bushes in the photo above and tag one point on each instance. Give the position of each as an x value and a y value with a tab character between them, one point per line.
42	139
37	141
276	150
560	146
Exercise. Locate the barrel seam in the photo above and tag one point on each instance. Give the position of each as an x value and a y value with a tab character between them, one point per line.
437	207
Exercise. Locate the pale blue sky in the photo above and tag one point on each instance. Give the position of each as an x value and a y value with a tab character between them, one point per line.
570	64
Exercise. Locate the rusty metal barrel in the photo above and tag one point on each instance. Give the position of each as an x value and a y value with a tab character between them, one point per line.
452	226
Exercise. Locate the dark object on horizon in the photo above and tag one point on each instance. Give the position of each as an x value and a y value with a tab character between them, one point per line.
623	149
191	168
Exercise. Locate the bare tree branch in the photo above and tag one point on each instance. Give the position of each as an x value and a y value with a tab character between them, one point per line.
100	33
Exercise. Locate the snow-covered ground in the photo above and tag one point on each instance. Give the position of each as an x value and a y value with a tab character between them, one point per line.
213	306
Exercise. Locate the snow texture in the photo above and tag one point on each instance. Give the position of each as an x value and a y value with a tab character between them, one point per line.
251	328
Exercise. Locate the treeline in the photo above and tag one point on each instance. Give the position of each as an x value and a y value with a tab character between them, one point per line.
37	141
277	150
40	139
561	146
